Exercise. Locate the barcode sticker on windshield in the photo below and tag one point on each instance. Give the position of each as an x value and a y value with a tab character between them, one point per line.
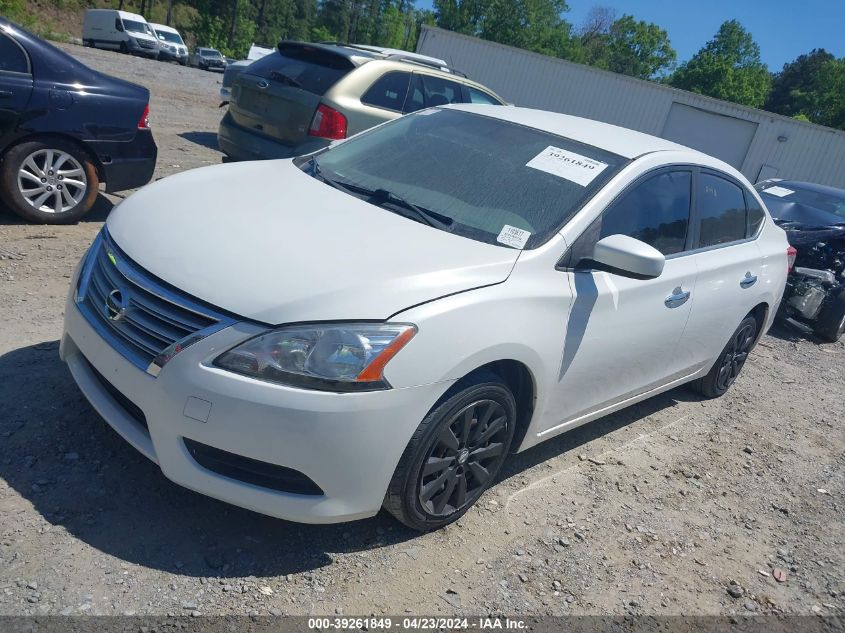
565	164
780	192
512	236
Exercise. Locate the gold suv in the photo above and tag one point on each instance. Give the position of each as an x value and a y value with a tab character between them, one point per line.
303	96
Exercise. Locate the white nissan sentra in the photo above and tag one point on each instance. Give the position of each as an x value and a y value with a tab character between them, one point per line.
380	324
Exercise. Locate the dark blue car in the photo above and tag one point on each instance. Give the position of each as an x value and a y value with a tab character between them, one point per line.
64	129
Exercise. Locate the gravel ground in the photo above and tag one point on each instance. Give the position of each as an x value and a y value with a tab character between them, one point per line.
675	506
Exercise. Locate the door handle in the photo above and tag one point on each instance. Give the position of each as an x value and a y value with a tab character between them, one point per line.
6	94
678	298
748	281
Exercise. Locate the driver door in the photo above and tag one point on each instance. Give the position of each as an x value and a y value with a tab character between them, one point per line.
623	334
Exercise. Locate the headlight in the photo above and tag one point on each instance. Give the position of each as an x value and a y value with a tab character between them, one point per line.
331	357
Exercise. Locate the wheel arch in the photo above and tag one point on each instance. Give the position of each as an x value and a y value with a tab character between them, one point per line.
519	379
44	136
760	312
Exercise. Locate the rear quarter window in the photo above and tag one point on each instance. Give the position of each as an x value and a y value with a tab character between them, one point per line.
388	91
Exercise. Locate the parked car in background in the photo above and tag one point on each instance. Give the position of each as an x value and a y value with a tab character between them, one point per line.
119	31
233	69
171	46
64	129
443	289
207	59
813	217
303	96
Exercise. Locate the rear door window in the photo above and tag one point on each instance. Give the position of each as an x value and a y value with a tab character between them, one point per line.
310	69
12	57
389	91
721	211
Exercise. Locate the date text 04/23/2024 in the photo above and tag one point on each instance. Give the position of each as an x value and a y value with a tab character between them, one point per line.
411	623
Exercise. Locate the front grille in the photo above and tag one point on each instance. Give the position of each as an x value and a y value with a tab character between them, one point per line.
251	471
140	316
132	409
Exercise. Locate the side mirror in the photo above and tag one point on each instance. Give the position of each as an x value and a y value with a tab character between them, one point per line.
629	257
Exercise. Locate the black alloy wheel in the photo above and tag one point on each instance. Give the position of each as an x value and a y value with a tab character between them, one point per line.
727	367
455	454
462	458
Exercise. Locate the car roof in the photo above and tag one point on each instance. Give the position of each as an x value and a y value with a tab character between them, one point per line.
810	186
163	27
612	138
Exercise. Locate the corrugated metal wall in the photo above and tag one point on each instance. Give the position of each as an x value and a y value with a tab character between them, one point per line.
797	150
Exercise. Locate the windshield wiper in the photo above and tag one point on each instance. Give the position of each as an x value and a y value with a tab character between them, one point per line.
383	196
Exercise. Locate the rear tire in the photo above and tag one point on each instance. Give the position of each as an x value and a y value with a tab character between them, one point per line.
831	322
50	181
454	455
727	367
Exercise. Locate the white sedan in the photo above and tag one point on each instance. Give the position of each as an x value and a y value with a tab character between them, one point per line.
381	323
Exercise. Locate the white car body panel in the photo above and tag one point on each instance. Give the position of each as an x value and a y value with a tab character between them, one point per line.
99	26
371	263
592	342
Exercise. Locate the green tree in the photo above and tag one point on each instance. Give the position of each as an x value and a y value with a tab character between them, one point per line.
535	25
811	87
639	49
728	67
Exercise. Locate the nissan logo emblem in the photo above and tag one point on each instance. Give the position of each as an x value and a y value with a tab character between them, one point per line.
116	305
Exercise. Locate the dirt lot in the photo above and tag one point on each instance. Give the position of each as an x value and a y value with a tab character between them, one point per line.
676	506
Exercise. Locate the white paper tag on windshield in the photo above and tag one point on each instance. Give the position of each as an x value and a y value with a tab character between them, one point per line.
512	236
566	164
780	192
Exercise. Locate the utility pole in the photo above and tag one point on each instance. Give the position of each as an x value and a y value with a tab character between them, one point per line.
169	12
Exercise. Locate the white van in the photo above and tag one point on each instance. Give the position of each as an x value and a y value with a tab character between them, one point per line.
170	44
119	31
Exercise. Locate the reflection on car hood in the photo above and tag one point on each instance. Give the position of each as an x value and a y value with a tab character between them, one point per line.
803	223
269	242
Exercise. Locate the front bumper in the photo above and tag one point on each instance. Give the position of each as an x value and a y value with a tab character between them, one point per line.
242	144
127	165
166	55
348	444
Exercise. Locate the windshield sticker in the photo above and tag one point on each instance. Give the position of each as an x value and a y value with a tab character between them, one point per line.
512	236
569	165
780	192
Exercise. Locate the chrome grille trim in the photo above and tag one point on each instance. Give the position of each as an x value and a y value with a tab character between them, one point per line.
146	321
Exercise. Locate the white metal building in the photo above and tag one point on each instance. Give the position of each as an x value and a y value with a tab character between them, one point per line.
760	144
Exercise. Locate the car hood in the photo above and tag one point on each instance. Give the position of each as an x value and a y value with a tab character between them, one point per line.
268	242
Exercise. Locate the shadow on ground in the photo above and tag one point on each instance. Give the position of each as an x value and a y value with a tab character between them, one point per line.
62	457
98	213
206	139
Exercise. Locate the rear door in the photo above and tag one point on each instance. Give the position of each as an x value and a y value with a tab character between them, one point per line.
277	95
15	84
727	220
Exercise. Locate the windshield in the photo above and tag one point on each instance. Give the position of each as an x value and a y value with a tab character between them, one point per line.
133	26
167	36
491	180
787	192
209	52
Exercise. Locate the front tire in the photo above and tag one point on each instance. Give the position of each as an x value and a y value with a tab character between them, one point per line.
830	326
727	367
49	181
454	455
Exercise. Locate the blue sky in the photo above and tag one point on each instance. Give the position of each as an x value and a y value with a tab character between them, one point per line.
784	29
